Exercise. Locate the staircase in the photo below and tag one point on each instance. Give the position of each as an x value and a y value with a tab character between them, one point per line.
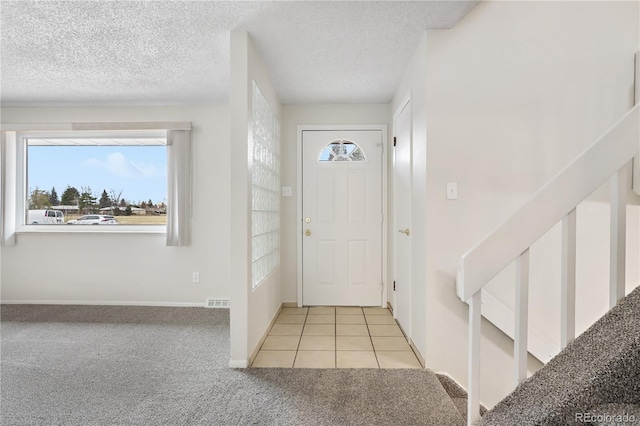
602	366
458	396
596	377
598	373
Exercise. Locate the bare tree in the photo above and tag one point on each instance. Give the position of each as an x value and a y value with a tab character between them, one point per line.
115	199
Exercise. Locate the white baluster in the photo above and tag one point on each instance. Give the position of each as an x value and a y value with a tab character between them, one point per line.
617	249
568	280
522	317
473	401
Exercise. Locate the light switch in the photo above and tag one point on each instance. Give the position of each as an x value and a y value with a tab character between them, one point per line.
286	191
452	190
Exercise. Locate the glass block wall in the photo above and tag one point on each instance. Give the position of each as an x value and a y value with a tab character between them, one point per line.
265	171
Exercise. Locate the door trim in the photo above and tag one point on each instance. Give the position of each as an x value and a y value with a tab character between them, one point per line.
338	127
406	101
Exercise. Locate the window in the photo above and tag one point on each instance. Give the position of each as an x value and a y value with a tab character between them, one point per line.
18	163
125	177
342	150
265	171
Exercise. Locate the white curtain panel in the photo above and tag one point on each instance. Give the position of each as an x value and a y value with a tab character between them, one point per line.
8	152
179	196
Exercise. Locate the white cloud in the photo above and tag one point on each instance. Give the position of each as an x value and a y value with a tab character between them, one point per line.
118	165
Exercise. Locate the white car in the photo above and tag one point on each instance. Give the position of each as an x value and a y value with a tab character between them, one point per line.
94	219
45	217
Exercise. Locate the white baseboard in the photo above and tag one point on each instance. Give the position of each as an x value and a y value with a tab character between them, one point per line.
238	363
255	351
102	303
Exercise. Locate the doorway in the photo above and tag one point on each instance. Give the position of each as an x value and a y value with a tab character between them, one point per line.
342	217
402	188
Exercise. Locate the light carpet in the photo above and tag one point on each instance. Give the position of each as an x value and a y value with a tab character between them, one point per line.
115	365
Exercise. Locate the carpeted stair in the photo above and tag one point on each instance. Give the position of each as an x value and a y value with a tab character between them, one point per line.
594	380
457	394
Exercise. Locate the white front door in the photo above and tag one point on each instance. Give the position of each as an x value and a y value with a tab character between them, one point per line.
342	218
402	219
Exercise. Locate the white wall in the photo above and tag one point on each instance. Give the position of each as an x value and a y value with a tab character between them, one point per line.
251	309
515	91
294	115
126	268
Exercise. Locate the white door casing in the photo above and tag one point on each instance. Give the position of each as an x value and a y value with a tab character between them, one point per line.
402	218
342	218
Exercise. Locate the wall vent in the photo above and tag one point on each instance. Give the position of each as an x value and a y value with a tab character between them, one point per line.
217	303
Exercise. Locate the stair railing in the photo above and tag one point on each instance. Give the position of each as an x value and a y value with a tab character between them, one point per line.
606	159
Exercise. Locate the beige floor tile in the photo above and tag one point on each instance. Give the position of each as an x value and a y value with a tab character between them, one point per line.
380	319
286	330
315	359
319	330
353	343
351	330
317	343
291	319
385	330
390	343
322	310
321	319
356	359
280	343
350	319
348	310
294	311
376	311
390	359
274	359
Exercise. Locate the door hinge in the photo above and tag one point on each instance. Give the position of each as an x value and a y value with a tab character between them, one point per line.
394	286
395	141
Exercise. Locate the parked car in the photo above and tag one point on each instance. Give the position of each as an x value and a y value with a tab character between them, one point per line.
94	219
45	217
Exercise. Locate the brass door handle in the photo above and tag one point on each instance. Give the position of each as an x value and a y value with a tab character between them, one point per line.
404	231
307	232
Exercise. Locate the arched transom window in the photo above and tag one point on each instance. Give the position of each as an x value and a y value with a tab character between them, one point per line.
342	150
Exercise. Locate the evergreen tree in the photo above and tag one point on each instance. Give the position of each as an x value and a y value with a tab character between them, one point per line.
87	201
53	197
105	201
150	203
127	211
70	196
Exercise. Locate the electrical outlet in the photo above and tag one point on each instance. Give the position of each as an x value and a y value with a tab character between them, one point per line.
195	277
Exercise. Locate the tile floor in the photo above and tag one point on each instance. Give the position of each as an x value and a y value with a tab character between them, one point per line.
335	337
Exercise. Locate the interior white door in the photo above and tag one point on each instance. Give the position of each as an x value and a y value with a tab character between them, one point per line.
342	218
402	219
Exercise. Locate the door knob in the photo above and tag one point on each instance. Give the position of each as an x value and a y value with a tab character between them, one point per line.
307	232
404	231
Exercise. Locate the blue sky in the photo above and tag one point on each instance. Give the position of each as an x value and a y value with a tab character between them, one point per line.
140	172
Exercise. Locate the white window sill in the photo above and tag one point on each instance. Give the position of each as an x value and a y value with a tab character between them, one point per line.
92	229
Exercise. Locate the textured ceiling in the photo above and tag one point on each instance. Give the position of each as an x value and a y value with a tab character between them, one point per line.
175	52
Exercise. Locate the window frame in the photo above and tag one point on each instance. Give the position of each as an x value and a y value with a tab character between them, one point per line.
348	156
21	227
